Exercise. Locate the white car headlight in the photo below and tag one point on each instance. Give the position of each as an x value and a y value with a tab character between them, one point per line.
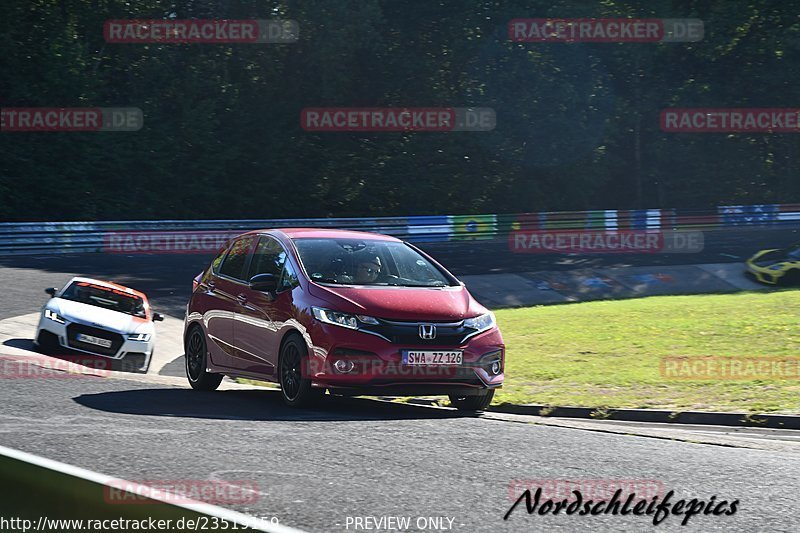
52	315
341	319
144	337
481	323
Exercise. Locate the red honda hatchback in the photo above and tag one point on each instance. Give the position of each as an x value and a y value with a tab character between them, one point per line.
354	313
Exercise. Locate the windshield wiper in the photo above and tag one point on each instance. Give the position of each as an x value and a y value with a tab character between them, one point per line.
325	280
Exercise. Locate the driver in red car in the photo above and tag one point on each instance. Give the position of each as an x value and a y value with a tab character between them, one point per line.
368	271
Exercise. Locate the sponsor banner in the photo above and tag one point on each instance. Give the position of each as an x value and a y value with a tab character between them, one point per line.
694	219
42	367
473	227
612	219
563	220
376	119
595	220
668	216
215	31
166	242
730	368
639	219
180	491
788	212
654	218
528	221
390	226
733	120
619	30
744	215
429	229
590	489
34	119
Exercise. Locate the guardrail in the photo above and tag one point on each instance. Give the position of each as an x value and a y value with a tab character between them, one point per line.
53	496
60	237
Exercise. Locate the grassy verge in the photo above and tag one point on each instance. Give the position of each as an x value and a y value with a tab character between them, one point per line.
608	354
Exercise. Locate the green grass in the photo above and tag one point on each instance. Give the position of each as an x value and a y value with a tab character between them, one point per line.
607	354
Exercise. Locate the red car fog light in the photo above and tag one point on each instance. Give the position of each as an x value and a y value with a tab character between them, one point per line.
493	363
343	366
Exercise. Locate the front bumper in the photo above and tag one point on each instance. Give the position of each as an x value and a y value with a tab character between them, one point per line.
764	275
133	354
378	368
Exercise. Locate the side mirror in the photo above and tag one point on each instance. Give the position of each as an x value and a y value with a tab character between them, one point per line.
264	283
51	291
158	317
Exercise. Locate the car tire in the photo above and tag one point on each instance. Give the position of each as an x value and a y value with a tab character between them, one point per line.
196	354
472	403
791	279
296	390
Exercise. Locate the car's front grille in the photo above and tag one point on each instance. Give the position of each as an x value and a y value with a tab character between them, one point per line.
74	329
408	333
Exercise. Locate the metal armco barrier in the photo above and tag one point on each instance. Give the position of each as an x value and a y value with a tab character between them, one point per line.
65	237
43	491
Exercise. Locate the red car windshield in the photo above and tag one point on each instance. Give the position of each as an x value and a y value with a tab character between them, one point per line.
368	262
105	297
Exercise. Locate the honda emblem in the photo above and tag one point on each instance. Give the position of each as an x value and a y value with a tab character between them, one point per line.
427	331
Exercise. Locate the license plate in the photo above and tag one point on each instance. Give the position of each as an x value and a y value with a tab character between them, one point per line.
429	357
97	341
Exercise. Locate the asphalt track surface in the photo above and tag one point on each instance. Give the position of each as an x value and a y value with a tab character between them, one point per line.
361	457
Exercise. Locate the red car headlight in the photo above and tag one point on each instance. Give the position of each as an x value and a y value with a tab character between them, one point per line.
337	318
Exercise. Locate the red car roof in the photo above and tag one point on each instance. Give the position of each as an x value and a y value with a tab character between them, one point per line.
325	233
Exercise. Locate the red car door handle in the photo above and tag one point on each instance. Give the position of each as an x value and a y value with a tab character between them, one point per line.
242	299
211	286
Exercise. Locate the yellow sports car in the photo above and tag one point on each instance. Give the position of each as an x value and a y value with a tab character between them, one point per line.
779	266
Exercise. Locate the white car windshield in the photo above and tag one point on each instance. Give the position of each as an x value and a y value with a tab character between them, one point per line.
105	297
368	262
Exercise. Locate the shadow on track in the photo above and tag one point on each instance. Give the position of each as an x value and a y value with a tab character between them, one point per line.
257	405
175	368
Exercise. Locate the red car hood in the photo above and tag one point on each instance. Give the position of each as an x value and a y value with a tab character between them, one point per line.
401	303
